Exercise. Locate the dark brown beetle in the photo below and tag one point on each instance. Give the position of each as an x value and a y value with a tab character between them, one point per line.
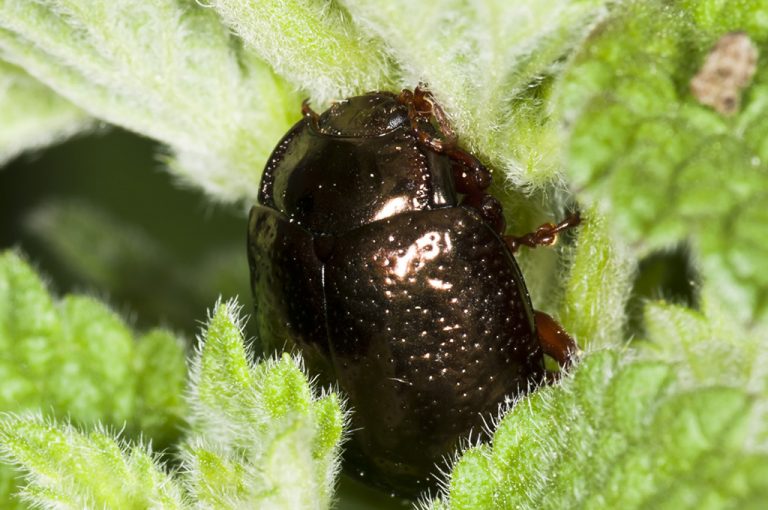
376	250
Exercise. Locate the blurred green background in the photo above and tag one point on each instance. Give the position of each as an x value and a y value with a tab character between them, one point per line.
99	215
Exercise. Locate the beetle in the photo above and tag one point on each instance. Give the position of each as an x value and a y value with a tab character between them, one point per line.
376	249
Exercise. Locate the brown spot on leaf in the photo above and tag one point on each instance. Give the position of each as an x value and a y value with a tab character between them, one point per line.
726	72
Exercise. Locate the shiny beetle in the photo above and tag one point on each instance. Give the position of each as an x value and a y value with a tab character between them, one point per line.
376	250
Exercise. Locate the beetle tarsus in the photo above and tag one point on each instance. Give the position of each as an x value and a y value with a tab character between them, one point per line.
545	235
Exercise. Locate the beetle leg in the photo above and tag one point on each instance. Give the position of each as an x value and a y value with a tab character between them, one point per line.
489	208
428	103
470	176
545	235
473	177
430	141
422	108
307	110
420	111
555	342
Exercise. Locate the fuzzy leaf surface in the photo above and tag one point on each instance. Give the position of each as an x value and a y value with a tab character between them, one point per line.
33	116
74	357
663	166
596	286
172	71
68	469
618	434
261	437
313	44
486	63
168	69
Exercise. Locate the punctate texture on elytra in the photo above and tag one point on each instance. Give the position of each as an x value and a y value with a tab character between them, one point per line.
364	257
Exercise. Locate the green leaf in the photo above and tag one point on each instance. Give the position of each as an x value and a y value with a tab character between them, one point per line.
74	357
707	346
609	80
171	71
32	115
313	44
160	374
167	69
68	469
261	436
596	287
471	489
618	434
663	166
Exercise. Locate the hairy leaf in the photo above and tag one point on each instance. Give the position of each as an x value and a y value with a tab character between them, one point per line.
708	347
597	286
662	165
261	437
74	357
617	434
69	469
484	60
77	357
312	43
167	69
32	115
